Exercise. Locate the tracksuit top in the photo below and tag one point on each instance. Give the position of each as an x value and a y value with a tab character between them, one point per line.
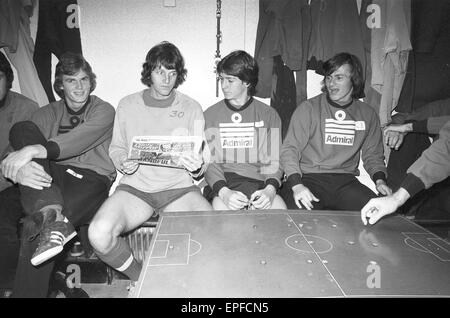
80	139
432	166
177	115
246	141
326	138
13	108
428	119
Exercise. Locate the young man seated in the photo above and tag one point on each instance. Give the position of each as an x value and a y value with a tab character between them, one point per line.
61	163
327	136
145	190
14	108
244	137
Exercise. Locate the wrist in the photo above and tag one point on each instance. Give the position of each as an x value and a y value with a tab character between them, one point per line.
36	151
400	196
297	187
222	192
271	189
409	127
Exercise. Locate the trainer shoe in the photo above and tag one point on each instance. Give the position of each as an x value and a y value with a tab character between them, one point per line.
52	240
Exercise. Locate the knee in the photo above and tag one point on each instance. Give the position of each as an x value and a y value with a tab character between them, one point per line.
19	131
21	127
101	235
218	204
278	203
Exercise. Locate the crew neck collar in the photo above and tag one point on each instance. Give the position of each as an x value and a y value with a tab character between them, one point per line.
150	101
332	103
235	109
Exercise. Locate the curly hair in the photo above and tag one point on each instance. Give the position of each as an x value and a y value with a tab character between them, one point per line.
243	66
357	76
163	54
70	64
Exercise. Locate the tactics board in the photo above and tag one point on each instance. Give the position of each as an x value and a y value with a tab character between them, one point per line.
292	253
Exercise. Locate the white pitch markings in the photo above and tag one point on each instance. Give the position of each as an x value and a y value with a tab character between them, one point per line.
318	256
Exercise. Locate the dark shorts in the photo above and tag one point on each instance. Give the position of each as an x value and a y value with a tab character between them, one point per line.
158	200
336	191
237	183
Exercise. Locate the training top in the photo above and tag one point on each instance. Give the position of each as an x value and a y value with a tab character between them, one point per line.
432	166
139	114
13	108
246	141
78	138
324	137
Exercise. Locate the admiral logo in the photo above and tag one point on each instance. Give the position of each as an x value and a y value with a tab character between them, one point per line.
339	131
237	142
237	134
334	139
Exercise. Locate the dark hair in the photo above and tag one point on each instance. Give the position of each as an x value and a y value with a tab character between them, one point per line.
5	67
163	54
70	64
357	76
243	66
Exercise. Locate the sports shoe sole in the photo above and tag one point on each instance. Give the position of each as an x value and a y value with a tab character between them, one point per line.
41	258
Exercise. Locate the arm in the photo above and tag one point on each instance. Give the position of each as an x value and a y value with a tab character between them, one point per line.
376	208
263	199
372	155
428	119
432	167
197	165
294	143
88	135
17	159
118	149
214	175
430	126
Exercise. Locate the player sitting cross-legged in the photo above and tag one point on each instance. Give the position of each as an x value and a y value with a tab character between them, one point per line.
244	136
145	190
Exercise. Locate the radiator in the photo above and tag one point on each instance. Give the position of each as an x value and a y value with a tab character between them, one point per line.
139	241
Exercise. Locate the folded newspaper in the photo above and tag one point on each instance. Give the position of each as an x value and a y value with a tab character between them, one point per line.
164	151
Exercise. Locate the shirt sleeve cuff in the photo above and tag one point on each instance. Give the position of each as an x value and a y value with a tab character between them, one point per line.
294	179
412	184
219	185
274	182
379	175
420	126
53	150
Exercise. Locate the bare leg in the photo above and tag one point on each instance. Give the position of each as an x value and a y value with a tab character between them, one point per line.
121	213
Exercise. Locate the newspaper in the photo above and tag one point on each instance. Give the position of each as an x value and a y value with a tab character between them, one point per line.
164	151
